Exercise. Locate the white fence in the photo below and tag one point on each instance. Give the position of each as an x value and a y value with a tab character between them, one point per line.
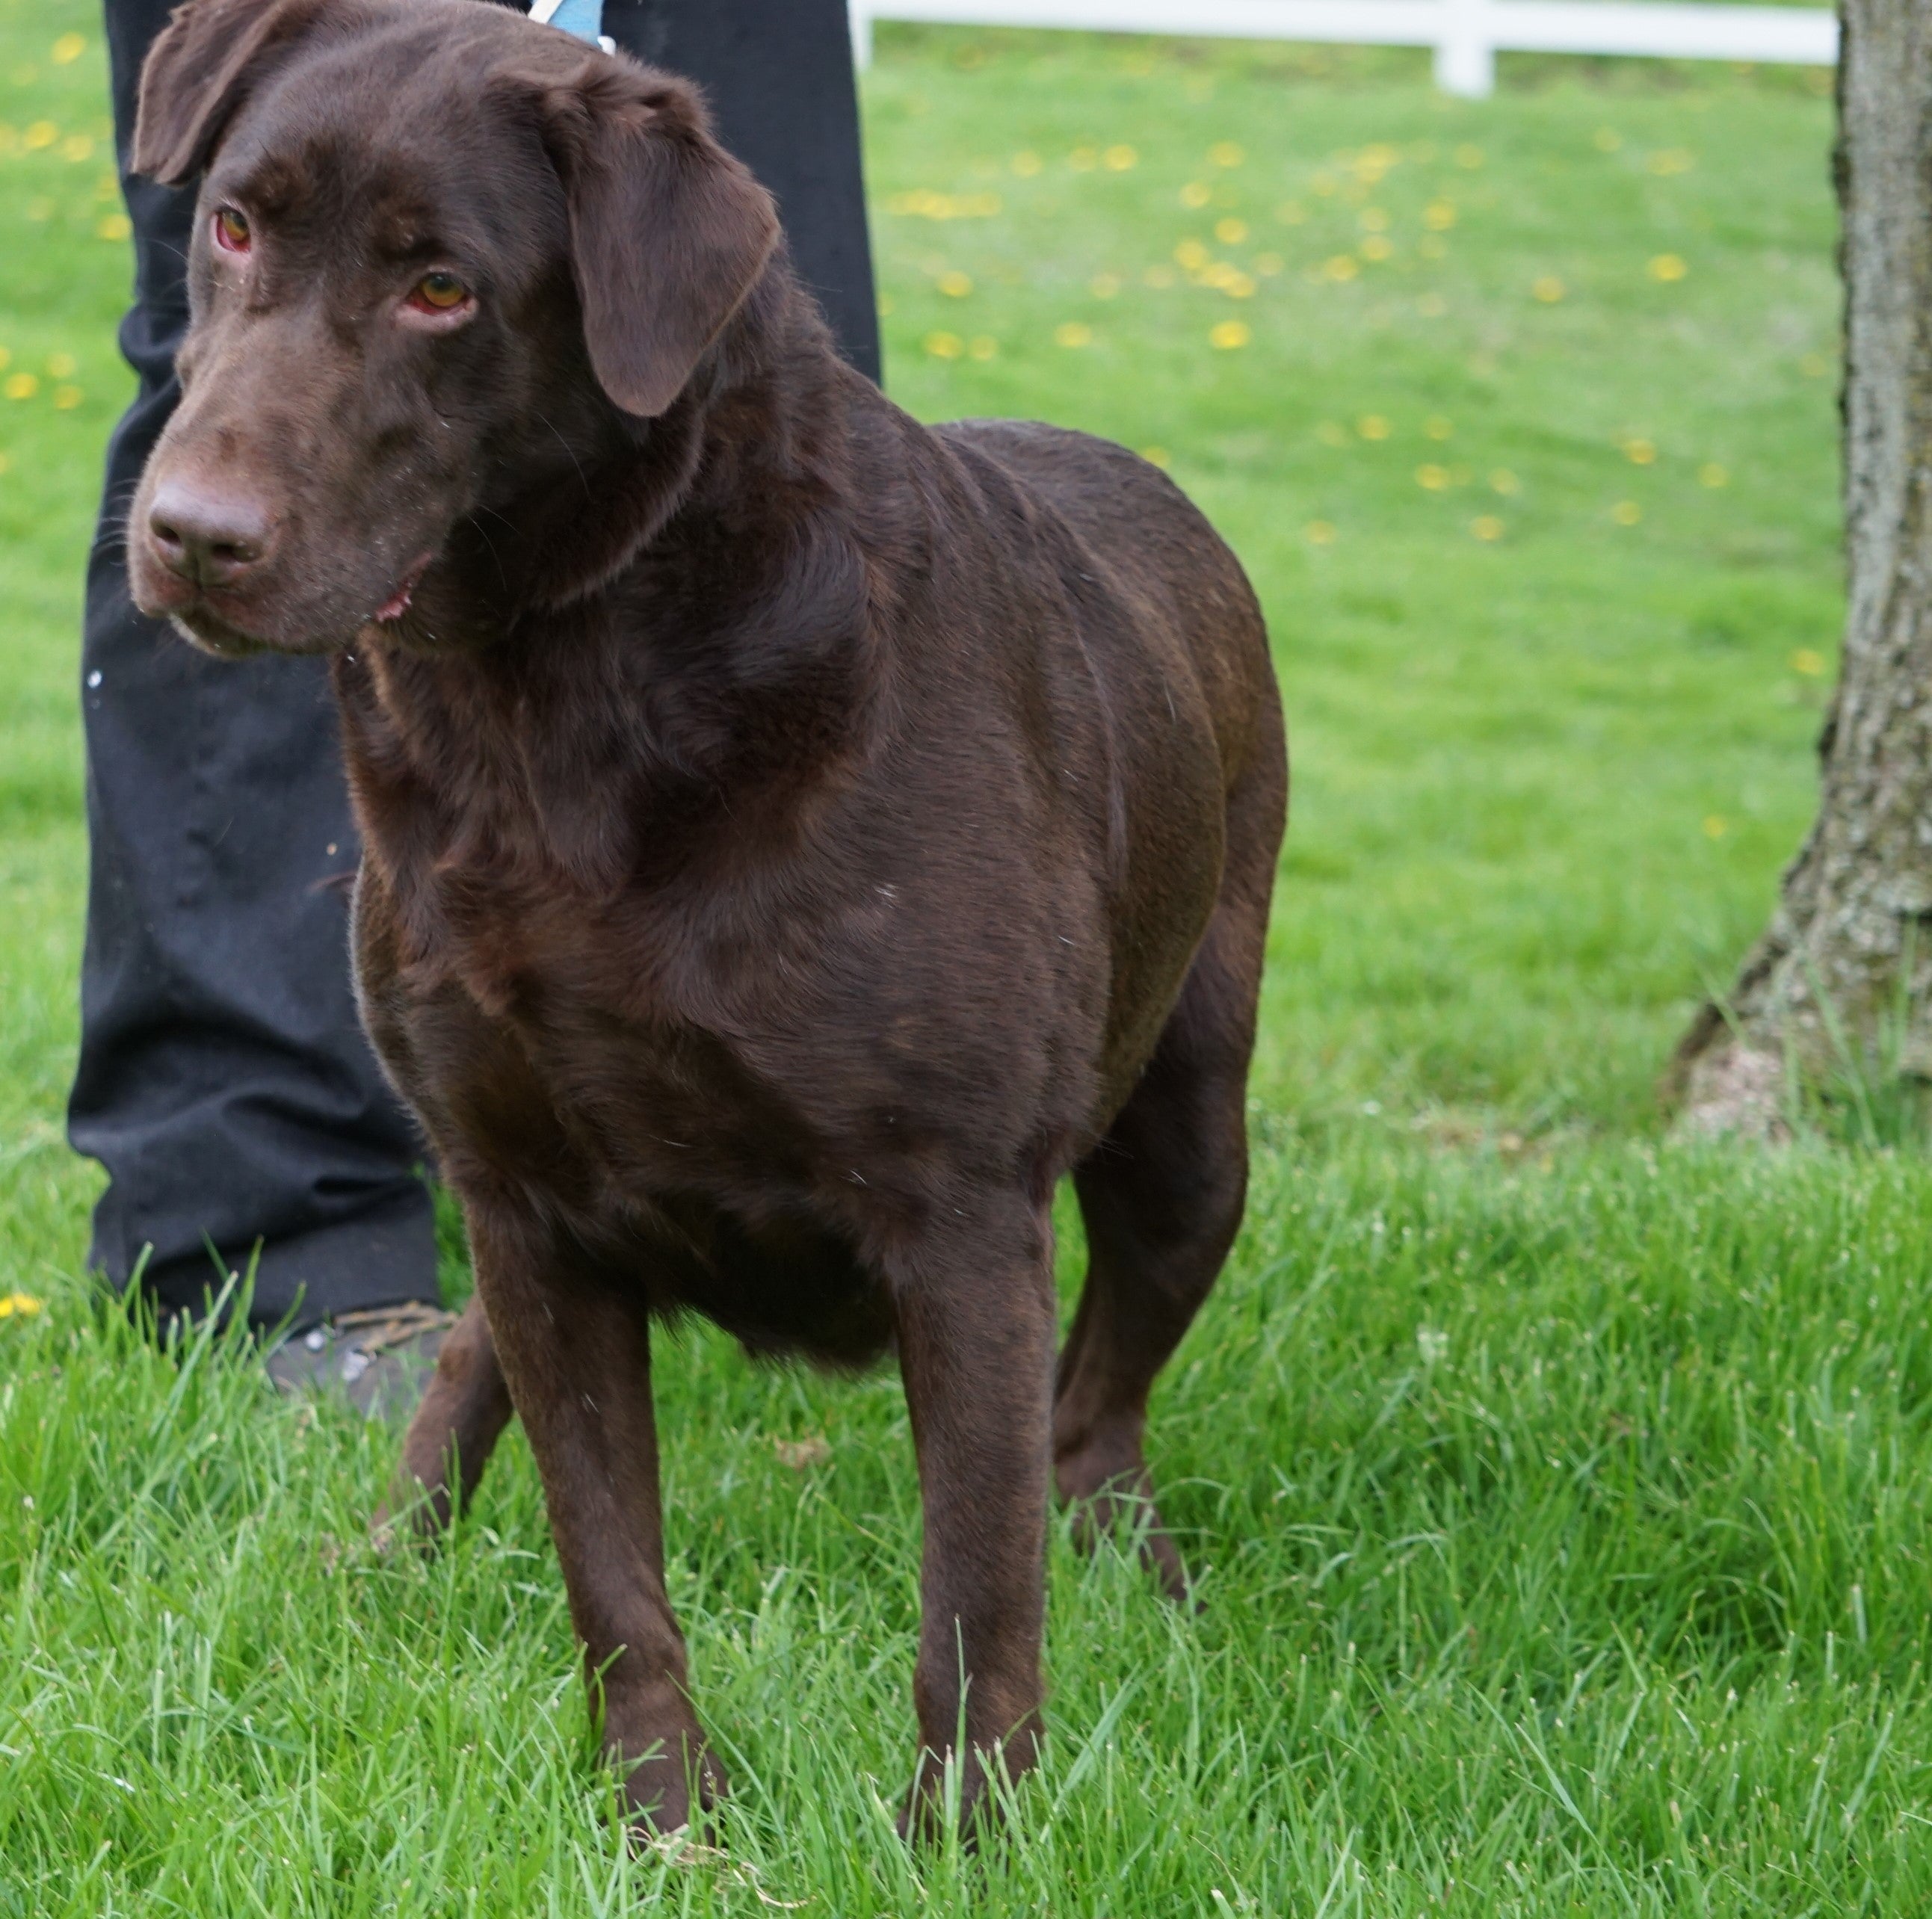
1466	34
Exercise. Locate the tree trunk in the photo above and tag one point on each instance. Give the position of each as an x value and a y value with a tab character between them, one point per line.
1848	950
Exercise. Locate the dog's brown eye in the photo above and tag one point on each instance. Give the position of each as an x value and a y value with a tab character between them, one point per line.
231	230
439	292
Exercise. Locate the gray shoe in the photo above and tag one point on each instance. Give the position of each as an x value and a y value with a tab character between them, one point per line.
378	1360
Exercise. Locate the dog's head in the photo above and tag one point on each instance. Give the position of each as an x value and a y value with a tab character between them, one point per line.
432	239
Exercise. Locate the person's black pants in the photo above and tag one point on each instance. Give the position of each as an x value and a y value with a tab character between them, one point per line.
223	1081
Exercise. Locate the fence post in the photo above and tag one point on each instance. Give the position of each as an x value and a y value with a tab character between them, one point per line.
1465	52
859	13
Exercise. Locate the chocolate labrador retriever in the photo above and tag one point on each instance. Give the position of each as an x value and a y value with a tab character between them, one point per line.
793	836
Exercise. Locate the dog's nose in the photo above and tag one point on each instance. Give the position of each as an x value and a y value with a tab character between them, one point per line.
210	538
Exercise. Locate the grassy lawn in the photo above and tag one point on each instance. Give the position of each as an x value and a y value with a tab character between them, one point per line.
1557	1494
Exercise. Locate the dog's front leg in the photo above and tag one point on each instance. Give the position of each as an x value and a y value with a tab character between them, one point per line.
975	1307
574	1345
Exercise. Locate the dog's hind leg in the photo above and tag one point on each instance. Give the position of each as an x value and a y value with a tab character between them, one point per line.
463	1412
1162	1195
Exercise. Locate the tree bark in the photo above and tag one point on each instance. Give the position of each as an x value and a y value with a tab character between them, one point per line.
1845	967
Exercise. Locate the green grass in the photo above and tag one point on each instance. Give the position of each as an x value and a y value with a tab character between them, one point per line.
1557	1494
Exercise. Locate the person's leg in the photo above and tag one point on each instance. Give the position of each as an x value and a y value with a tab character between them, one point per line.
224	1082
779	74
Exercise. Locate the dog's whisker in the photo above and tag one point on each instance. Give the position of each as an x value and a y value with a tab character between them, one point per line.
583	480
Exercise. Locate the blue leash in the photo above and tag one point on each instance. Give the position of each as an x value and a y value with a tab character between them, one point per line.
583	18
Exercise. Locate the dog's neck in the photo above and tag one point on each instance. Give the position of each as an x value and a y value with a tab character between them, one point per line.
669	625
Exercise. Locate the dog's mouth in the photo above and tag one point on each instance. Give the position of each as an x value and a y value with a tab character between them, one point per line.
208	618
397	603
204	628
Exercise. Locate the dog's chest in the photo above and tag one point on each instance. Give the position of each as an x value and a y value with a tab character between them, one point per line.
649	1086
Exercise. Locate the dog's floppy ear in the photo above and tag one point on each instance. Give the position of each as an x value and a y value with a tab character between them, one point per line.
198	72
668	233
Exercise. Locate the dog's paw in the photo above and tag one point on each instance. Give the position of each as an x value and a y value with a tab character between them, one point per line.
674	1794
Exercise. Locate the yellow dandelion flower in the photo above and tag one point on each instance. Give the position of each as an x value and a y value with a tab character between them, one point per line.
1807	662
1319	533
1673	160
22	386
41	133
114	227
1193	254
1118	159
68	49
1074	333
1083	160
1228	334
1626	513
1268	265
1606	139
1432	306
1225	153
944	346
61	364
1158	276
1713	475
23	1305
77	147
1432	479
1290	213
1196	192
1549	289
1715	825
1667	267
1439	216
923	204
1377	247
982	347
1342	266
1504	481
67	397
1026	165
1157	456
1105	286
1640	452
1487	526
4	462
1231	232
1469	157
954	284
1373	425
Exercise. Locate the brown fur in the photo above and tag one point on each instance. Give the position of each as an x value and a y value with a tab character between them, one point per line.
793	836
